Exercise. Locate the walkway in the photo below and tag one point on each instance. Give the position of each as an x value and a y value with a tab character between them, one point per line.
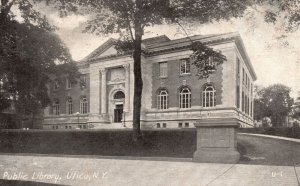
97	171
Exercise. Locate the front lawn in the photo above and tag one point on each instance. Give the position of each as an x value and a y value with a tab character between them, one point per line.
165	143
180	143
290	132
268	151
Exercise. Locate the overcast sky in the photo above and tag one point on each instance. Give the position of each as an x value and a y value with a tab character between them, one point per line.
273	56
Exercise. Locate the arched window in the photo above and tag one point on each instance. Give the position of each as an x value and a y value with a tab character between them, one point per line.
83	105
185	98
119	95
69	106
209	96
162	99
56	107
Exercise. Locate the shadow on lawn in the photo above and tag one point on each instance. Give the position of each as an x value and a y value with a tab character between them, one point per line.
156	143
24	183
267	151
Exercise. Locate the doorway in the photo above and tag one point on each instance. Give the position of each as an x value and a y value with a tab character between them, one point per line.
118	113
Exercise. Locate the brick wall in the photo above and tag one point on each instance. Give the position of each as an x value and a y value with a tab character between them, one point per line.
75	93
174	81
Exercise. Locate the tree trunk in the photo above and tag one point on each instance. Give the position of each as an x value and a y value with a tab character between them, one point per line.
138	81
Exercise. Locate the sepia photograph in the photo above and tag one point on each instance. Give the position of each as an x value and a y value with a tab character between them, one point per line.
150	92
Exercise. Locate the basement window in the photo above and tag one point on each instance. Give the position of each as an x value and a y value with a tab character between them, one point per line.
186	125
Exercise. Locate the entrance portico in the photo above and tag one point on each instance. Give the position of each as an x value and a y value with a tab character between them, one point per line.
111	90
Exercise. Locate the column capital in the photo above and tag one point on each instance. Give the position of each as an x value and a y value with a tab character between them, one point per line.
103	70
126	66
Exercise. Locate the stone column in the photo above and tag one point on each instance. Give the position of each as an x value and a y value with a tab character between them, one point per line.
217	141
127	88
103	91
94	91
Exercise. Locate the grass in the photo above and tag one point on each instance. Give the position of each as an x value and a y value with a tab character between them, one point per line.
24	183
291	132
156	143
268	151
164	143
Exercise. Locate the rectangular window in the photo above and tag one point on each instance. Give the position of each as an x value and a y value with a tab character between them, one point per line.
238	96
186	125
248	105
56	85
248	83
238	71
238	67
83	81
185	66
179	125
243	101
164	125
246	78
157	125
68	84
243	76
56	109
245	104
251	105
83	78
163	69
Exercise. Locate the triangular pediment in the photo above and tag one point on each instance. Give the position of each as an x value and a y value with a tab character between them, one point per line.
109	51
106	49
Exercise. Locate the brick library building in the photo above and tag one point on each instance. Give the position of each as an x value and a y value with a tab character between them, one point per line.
173	96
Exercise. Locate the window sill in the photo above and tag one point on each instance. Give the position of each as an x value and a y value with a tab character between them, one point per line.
163	77
187	74
208	107
185	108
162	109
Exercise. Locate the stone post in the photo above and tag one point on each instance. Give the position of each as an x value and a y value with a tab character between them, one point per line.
103	91
217	141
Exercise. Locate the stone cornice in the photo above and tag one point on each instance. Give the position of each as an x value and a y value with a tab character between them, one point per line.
174	46
240	44
187	46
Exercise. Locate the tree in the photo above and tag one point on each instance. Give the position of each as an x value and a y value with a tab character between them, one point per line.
130	17
296	109
30	53
274	101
